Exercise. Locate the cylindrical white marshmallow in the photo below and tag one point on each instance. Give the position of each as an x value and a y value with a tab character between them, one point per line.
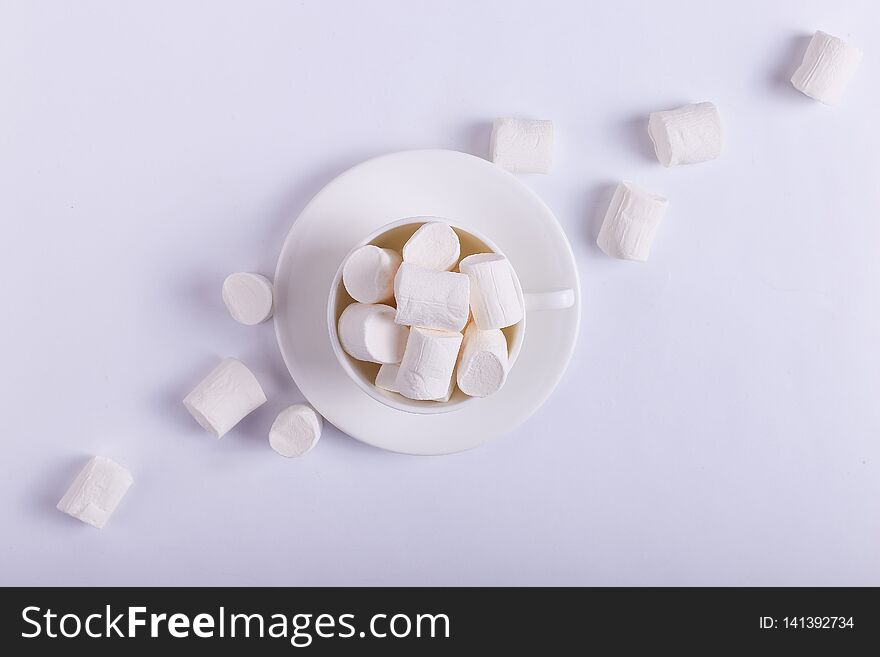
631	222
482	367
96	492
686	135
495	299
296	430
224	397
431	299
522	145
368	332
368	274
428	363
386	378
449	390
434	245
828	66
248	297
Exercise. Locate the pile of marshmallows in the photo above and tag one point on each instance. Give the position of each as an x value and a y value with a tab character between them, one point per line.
686	135
419	343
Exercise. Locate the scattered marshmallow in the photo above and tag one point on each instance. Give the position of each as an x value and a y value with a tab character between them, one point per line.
431	299
368	274
631	222
248	297
522	145
387	377
296	430
686	135
828	66
495	299
428	363
434	245
96	492
224	397
368	332
482	367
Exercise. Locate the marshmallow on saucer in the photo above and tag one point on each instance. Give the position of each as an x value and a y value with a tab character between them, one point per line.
248	297
431	299
295	431
368	332
631	222
495	300
522	145
828	66
224	397
686	135
482	368
434	245
96	492
386	378
428	364
368	274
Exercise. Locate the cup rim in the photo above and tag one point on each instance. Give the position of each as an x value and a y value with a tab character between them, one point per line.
393	400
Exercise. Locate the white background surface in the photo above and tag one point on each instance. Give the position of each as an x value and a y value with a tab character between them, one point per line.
720	422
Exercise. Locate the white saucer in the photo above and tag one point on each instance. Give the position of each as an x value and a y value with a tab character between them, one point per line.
439	183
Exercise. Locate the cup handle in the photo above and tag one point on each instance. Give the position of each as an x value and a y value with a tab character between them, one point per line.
549	299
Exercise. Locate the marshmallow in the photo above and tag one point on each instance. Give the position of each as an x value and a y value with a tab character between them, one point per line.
686	135
829	64
295	431
387	377
445	398
631	222
431	299
522	145
224	397
434	245
368	274
428	364
248	297
495	298
482	367
368	332
96	492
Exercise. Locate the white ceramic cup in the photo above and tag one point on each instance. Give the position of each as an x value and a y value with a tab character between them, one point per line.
393	236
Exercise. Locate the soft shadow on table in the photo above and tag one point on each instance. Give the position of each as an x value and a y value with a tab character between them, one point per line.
789	59
201	295
50	485
292	203
474	139
335	439
634	132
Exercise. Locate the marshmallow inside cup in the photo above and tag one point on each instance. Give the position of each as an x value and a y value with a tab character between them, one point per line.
394	236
